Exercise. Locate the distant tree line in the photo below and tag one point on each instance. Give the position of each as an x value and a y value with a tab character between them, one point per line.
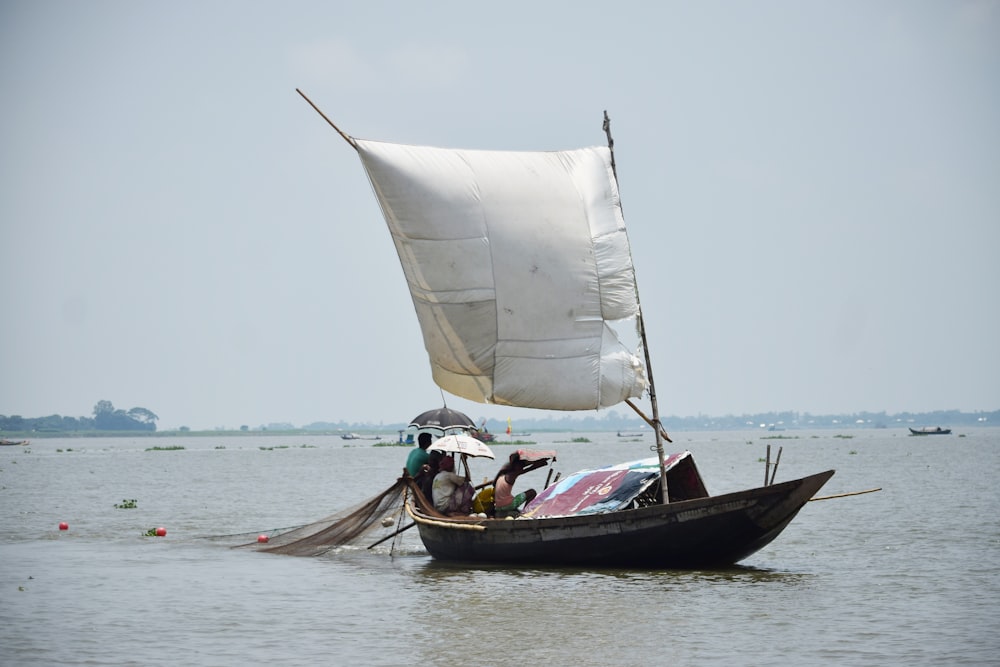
106	418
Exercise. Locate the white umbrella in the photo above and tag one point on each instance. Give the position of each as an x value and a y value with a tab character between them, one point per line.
459	443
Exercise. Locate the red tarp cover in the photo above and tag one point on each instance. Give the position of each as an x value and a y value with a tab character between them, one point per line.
602	490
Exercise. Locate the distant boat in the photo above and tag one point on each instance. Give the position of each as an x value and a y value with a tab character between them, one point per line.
482	435
11	443
929	430
355	436
629	435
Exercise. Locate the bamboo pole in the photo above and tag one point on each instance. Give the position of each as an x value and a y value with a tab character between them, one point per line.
407	490
774	471
767	465
404	528
611	143
628	401
445	524
468	473
348	138
655	421
844	495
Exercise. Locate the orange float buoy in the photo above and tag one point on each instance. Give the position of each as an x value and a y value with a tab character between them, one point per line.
263	539
161	531
63	526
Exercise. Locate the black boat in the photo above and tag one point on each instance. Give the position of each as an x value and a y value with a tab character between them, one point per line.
632	529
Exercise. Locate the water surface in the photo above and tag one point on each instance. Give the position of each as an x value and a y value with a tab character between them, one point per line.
908	575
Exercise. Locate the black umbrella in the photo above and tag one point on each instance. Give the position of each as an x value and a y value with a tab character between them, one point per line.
442	419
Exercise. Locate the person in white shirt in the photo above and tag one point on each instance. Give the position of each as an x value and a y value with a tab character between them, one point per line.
452	494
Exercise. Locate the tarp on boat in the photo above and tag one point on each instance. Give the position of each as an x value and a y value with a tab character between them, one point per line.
534	454
605	489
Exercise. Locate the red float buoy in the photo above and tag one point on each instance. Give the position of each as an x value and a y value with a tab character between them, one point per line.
263	539
161	531
63	526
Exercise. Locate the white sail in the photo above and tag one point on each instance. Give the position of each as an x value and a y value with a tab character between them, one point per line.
516	263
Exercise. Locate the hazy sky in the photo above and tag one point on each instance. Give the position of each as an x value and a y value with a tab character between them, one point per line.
812	191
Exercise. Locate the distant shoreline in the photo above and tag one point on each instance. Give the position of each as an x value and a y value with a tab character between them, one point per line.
392	433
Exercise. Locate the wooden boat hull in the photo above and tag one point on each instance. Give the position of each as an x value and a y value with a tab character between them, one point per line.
706	532
930	431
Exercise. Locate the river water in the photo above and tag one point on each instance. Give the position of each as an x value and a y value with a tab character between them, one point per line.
907	575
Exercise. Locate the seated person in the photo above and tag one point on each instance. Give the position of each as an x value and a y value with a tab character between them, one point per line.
482	503
505	502
452	494
430	470
418	455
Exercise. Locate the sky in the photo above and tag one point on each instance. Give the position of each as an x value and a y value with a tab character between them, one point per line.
812	192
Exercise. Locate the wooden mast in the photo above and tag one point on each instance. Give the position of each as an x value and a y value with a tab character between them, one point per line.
654	421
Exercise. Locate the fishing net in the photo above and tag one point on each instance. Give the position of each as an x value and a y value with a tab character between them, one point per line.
342	529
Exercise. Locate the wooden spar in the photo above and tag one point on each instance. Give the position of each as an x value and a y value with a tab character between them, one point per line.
611	144
844	495
655	421
349	139
404	528
646	419
774	471
406	498
767	465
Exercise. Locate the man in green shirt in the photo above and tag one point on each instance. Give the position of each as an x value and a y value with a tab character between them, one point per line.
418	455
